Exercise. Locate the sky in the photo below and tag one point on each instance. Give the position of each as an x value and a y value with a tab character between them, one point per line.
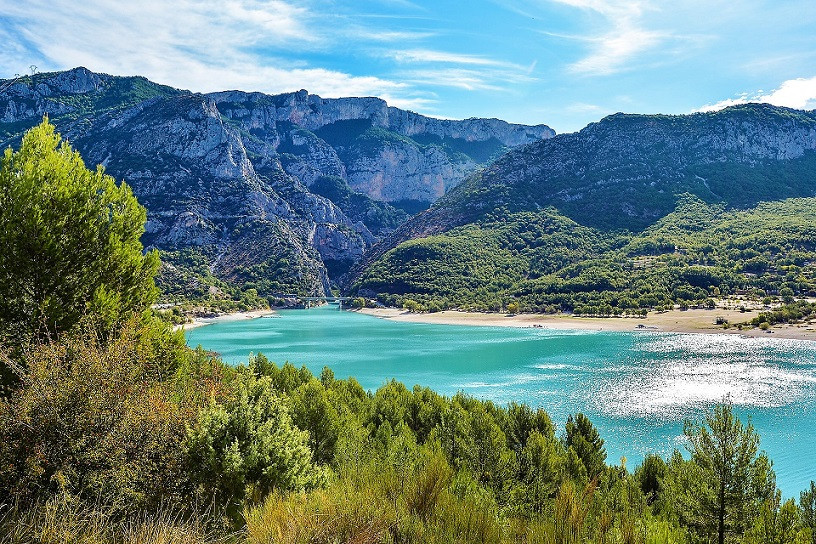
564	63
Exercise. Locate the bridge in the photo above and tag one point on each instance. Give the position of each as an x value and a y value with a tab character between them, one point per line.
309	301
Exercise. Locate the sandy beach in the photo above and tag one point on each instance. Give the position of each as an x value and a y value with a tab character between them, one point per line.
688	321
237	316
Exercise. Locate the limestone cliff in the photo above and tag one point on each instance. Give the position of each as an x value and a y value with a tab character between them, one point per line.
273	193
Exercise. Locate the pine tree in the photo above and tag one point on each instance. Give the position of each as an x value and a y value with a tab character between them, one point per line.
69	243
583	438
735	481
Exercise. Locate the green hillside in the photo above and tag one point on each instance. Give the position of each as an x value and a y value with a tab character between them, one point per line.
636	212
627	171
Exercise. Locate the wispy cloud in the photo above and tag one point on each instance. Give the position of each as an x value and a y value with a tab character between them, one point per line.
201	46
794	93
625	36
430	56
583	107
459	78
460	71
611	52
388	35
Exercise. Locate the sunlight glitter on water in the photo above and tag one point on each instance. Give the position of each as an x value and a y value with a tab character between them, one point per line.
694	371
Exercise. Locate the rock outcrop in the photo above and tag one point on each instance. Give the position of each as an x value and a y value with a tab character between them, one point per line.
226	177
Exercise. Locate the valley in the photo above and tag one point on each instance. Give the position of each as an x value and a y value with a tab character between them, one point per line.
251	195
597	336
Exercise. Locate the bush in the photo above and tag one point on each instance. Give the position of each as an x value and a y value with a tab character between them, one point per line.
248	446
97	422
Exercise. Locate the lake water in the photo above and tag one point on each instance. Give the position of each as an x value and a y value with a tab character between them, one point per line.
637	387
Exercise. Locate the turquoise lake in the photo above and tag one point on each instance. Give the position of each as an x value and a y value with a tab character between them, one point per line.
637	387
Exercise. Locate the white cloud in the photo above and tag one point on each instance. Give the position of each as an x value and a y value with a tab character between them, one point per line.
460	71
388	35
624	37
423	104
611	8
583	107
794	93
430	56
468	79
611	51
201	46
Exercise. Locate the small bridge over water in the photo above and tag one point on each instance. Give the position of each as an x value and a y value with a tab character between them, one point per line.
308	302
312	301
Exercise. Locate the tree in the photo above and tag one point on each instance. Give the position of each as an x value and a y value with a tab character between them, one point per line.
777	523
249	446
521	421
313	411
541	470
807	510
69	242
582	437
735	480
650	476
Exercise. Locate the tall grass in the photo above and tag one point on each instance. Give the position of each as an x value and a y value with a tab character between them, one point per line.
380	503
64	522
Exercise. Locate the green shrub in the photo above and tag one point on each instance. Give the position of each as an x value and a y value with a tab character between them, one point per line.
95	421
247	446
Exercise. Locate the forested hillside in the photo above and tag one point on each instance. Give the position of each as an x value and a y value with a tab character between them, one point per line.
632	213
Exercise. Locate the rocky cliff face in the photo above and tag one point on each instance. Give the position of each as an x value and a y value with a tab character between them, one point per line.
387	153
226	177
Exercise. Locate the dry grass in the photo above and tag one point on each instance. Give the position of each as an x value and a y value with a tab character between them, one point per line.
60	522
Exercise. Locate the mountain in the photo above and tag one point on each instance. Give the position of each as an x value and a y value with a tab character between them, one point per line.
250	191
635	211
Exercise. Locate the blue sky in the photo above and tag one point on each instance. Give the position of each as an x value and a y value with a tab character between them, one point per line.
561	62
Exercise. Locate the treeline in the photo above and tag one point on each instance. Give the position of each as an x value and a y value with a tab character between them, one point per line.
787	313
545	262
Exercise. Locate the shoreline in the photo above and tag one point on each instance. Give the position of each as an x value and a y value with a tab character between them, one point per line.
694	321
232	316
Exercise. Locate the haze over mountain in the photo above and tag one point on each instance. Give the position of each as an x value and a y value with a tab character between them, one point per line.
279	193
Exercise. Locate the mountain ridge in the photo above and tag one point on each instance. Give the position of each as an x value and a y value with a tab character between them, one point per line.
223	173
606	186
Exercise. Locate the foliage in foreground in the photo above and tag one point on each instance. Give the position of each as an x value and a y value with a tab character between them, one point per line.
69	242
112	431
61	521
